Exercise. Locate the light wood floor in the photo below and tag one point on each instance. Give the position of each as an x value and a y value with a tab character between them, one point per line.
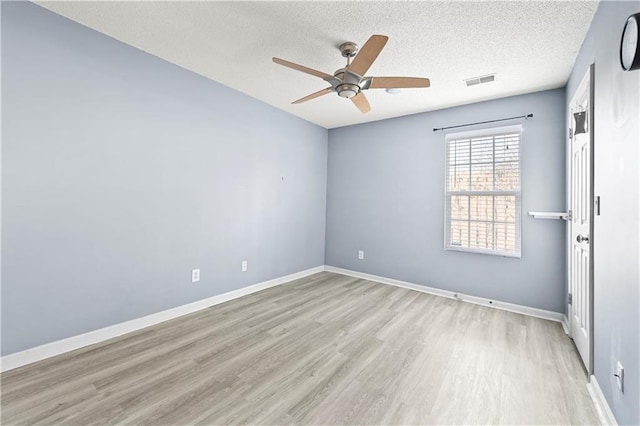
326	349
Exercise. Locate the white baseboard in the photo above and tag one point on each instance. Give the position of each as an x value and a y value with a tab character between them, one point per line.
600	402
18	359
511	307
391	281
565	325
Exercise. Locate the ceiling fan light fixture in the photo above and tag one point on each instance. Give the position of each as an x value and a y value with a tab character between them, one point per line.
347	90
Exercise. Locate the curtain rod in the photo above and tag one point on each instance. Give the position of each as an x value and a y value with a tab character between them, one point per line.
484	122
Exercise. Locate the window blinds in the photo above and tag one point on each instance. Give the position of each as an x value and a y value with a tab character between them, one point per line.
483	198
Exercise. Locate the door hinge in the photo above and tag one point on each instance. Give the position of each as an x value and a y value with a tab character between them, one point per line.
570	133
570	298
597	205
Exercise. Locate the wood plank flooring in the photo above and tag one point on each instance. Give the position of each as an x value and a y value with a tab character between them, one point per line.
326	349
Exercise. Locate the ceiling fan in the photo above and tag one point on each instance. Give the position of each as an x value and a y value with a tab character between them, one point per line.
349	82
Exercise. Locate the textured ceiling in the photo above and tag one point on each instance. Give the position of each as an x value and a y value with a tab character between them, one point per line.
530	45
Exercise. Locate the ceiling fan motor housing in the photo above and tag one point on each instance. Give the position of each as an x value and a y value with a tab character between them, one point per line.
350	83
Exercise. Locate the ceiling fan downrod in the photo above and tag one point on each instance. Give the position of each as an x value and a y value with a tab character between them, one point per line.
349	86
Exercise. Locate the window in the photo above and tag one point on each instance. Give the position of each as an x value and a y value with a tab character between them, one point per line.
483	198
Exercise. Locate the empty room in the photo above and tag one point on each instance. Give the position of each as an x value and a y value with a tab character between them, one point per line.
320	212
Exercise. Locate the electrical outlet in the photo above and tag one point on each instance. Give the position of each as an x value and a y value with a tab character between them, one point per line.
619	375
195	275
360	254
244	266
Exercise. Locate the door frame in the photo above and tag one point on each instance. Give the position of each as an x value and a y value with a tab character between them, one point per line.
590	74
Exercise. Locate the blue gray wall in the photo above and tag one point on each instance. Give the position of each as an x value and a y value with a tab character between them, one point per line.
617	230
122	172
385	195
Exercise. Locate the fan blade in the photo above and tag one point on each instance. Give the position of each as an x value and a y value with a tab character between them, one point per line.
367	54
360	100
398	82
307	70
313	95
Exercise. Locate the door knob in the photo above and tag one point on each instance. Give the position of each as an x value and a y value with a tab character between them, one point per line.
582	238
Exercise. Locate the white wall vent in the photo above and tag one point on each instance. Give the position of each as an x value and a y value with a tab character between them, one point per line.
480	80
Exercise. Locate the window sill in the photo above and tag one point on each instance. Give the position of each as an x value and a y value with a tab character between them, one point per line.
484	251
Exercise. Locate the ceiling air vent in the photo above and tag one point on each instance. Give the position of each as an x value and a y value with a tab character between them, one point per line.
479	80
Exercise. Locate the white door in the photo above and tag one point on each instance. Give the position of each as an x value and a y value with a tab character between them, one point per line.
581	199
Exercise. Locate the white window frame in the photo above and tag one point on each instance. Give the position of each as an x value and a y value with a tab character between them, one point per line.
495	131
